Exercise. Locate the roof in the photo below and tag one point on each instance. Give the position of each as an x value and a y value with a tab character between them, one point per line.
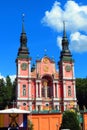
14	110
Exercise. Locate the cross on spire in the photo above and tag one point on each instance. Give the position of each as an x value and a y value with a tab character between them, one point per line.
13	104
23	15
45	51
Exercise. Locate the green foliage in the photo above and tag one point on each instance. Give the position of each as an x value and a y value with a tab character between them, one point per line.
7	92
9	87
70	121
81	92
30	125
2	93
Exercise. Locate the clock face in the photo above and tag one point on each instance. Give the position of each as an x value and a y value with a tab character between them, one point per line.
68	68
24	66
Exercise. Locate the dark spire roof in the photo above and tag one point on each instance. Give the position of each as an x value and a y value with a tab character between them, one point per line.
23	50
64	39
64	30
65	44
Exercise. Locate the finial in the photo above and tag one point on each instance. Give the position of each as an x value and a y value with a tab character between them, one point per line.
45	51
23	15
37	56
53	58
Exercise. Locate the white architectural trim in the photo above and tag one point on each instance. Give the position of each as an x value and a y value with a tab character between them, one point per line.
19	76
64	89
73	70
54	90
57	89
18	69
74	91
23	99
40	89
38	81
68	78
38	103
36	89
29	72
56	99
29	88
38	99
18	89
55	81
70	99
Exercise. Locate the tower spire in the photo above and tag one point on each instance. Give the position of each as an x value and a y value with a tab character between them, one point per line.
23	50
64	39
23	38
65	44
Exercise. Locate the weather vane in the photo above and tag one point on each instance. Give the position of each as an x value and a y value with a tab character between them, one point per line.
45	51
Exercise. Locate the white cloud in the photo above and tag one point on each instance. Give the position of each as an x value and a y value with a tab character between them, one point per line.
78	42
75	16
11	76
53	17
2	77
59	39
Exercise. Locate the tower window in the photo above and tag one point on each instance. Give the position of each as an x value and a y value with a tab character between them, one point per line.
69	91
47	105
24	90
24	104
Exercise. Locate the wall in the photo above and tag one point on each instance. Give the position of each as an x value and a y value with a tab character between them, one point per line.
46	121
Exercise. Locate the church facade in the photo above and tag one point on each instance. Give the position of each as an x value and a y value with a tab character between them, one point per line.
42	87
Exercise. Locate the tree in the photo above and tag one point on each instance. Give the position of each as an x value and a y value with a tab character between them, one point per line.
30	124
70	121
7	92
81	92
2	94
14	89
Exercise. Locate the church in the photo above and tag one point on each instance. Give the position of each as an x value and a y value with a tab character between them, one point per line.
41	87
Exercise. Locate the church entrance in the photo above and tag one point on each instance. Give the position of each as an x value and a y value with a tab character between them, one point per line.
47	85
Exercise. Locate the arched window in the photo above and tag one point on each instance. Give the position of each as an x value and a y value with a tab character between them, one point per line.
69	91
24	104
24	90
48	91
47	83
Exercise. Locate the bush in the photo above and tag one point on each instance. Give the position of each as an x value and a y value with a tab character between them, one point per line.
70	121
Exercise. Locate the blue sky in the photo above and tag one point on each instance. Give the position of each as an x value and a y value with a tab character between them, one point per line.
43	26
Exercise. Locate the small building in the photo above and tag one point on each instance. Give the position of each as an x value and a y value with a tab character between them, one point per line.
13	119
85	120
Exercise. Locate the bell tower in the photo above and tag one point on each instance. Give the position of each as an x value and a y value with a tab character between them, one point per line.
66	75
23	74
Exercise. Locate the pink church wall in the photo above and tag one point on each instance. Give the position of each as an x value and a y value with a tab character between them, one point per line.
23	72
